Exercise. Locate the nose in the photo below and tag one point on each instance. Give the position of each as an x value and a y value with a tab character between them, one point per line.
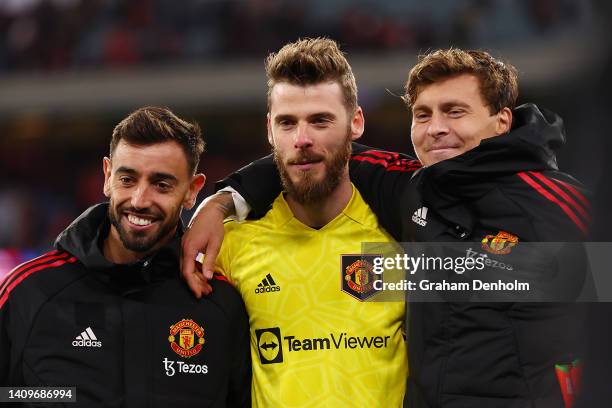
140	197
437	126
302	137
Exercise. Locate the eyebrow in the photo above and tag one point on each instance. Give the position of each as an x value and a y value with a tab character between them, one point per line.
326	115
155	176
280	118
126	170
162	176
445	105
452	103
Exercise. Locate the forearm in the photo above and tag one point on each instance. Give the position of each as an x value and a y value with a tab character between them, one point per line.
258	183
221	201
202	240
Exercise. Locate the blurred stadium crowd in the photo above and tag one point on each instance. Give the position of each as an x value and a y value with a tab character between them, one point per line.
50	161
74	34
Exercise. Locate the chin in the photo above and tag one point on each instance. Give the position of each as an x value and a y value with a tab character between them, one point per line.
438	157
309	176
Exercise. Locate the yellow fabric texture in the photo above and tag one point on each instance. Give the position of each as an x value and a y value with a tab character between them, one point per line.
313	344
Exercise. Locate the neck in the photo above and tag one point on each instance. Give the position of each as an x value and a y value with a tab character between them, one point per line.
320	213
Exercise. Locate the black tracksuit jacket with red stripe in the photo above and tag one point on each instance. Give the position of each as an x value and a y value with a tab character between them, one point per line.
72	318
472	355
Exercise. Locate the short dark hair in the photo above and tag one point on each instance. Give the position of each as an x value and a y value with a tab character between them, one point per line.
153	124
311	61
498	80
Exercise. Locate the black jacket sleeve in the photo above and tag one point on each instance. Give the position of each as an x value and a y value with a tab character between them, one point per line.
258	183
239	394
5	346
556	205
552	224
379	176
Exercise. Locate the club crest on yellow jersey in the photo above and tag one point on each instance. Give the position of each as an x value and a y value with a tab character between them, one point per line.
358	275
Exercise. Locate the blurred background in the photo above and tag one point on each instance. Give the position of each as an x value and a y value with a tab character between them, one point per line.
71	69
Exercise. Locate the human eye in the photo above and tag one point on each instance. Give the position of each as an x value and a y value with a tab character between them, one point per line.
456	112
321	121
163	186
285	123
125	180
421	116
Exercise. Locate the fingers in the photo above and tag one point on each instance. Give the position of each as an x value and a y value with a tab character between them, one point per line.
206	288
201	259
190	273
198	284
212	250
205	234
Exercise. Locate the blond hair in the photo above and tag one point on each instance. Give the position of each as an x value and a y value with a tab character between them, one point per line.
498	80
312	61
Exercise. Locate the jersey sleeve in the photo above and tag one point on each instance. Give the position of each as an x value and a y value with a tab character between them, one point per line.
223	262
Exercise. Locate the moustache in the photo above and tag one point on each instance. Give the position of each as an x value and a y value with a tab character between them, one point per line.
303	158
141	211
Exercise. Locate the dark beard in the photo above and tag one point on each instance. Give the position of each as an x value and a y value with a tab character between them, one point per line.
310	191
140	243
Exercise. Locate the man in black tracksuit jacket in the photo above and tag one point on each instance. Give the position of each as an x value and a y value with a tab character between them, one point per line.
500	354
497	354
125	334
52	303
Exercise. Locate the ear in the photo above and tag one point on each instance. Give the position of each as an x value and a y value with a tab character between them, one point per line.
504	121
196	184
107	169
269	126
357	124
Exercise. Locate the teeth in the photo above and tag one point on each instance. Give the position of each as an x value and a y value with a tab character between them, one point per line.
138	221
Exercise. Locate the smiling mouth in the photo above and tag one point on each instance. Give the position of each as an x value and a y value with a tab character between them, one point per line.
139	221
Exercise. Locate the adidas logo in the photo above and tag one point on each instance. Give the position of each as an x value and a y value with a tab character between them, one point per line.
87	339
420	216
267	285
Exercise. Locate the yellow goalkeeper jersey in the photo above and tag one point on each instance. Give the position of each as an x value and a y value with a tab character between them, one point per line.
315	340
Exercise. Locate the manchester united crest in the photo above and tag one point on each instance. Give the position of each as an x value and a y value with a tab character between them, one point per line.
499	244
358	275
186	338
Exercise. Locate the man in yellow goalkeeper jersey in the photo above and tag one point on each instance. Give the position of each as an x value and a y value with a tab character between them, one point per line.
315	341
